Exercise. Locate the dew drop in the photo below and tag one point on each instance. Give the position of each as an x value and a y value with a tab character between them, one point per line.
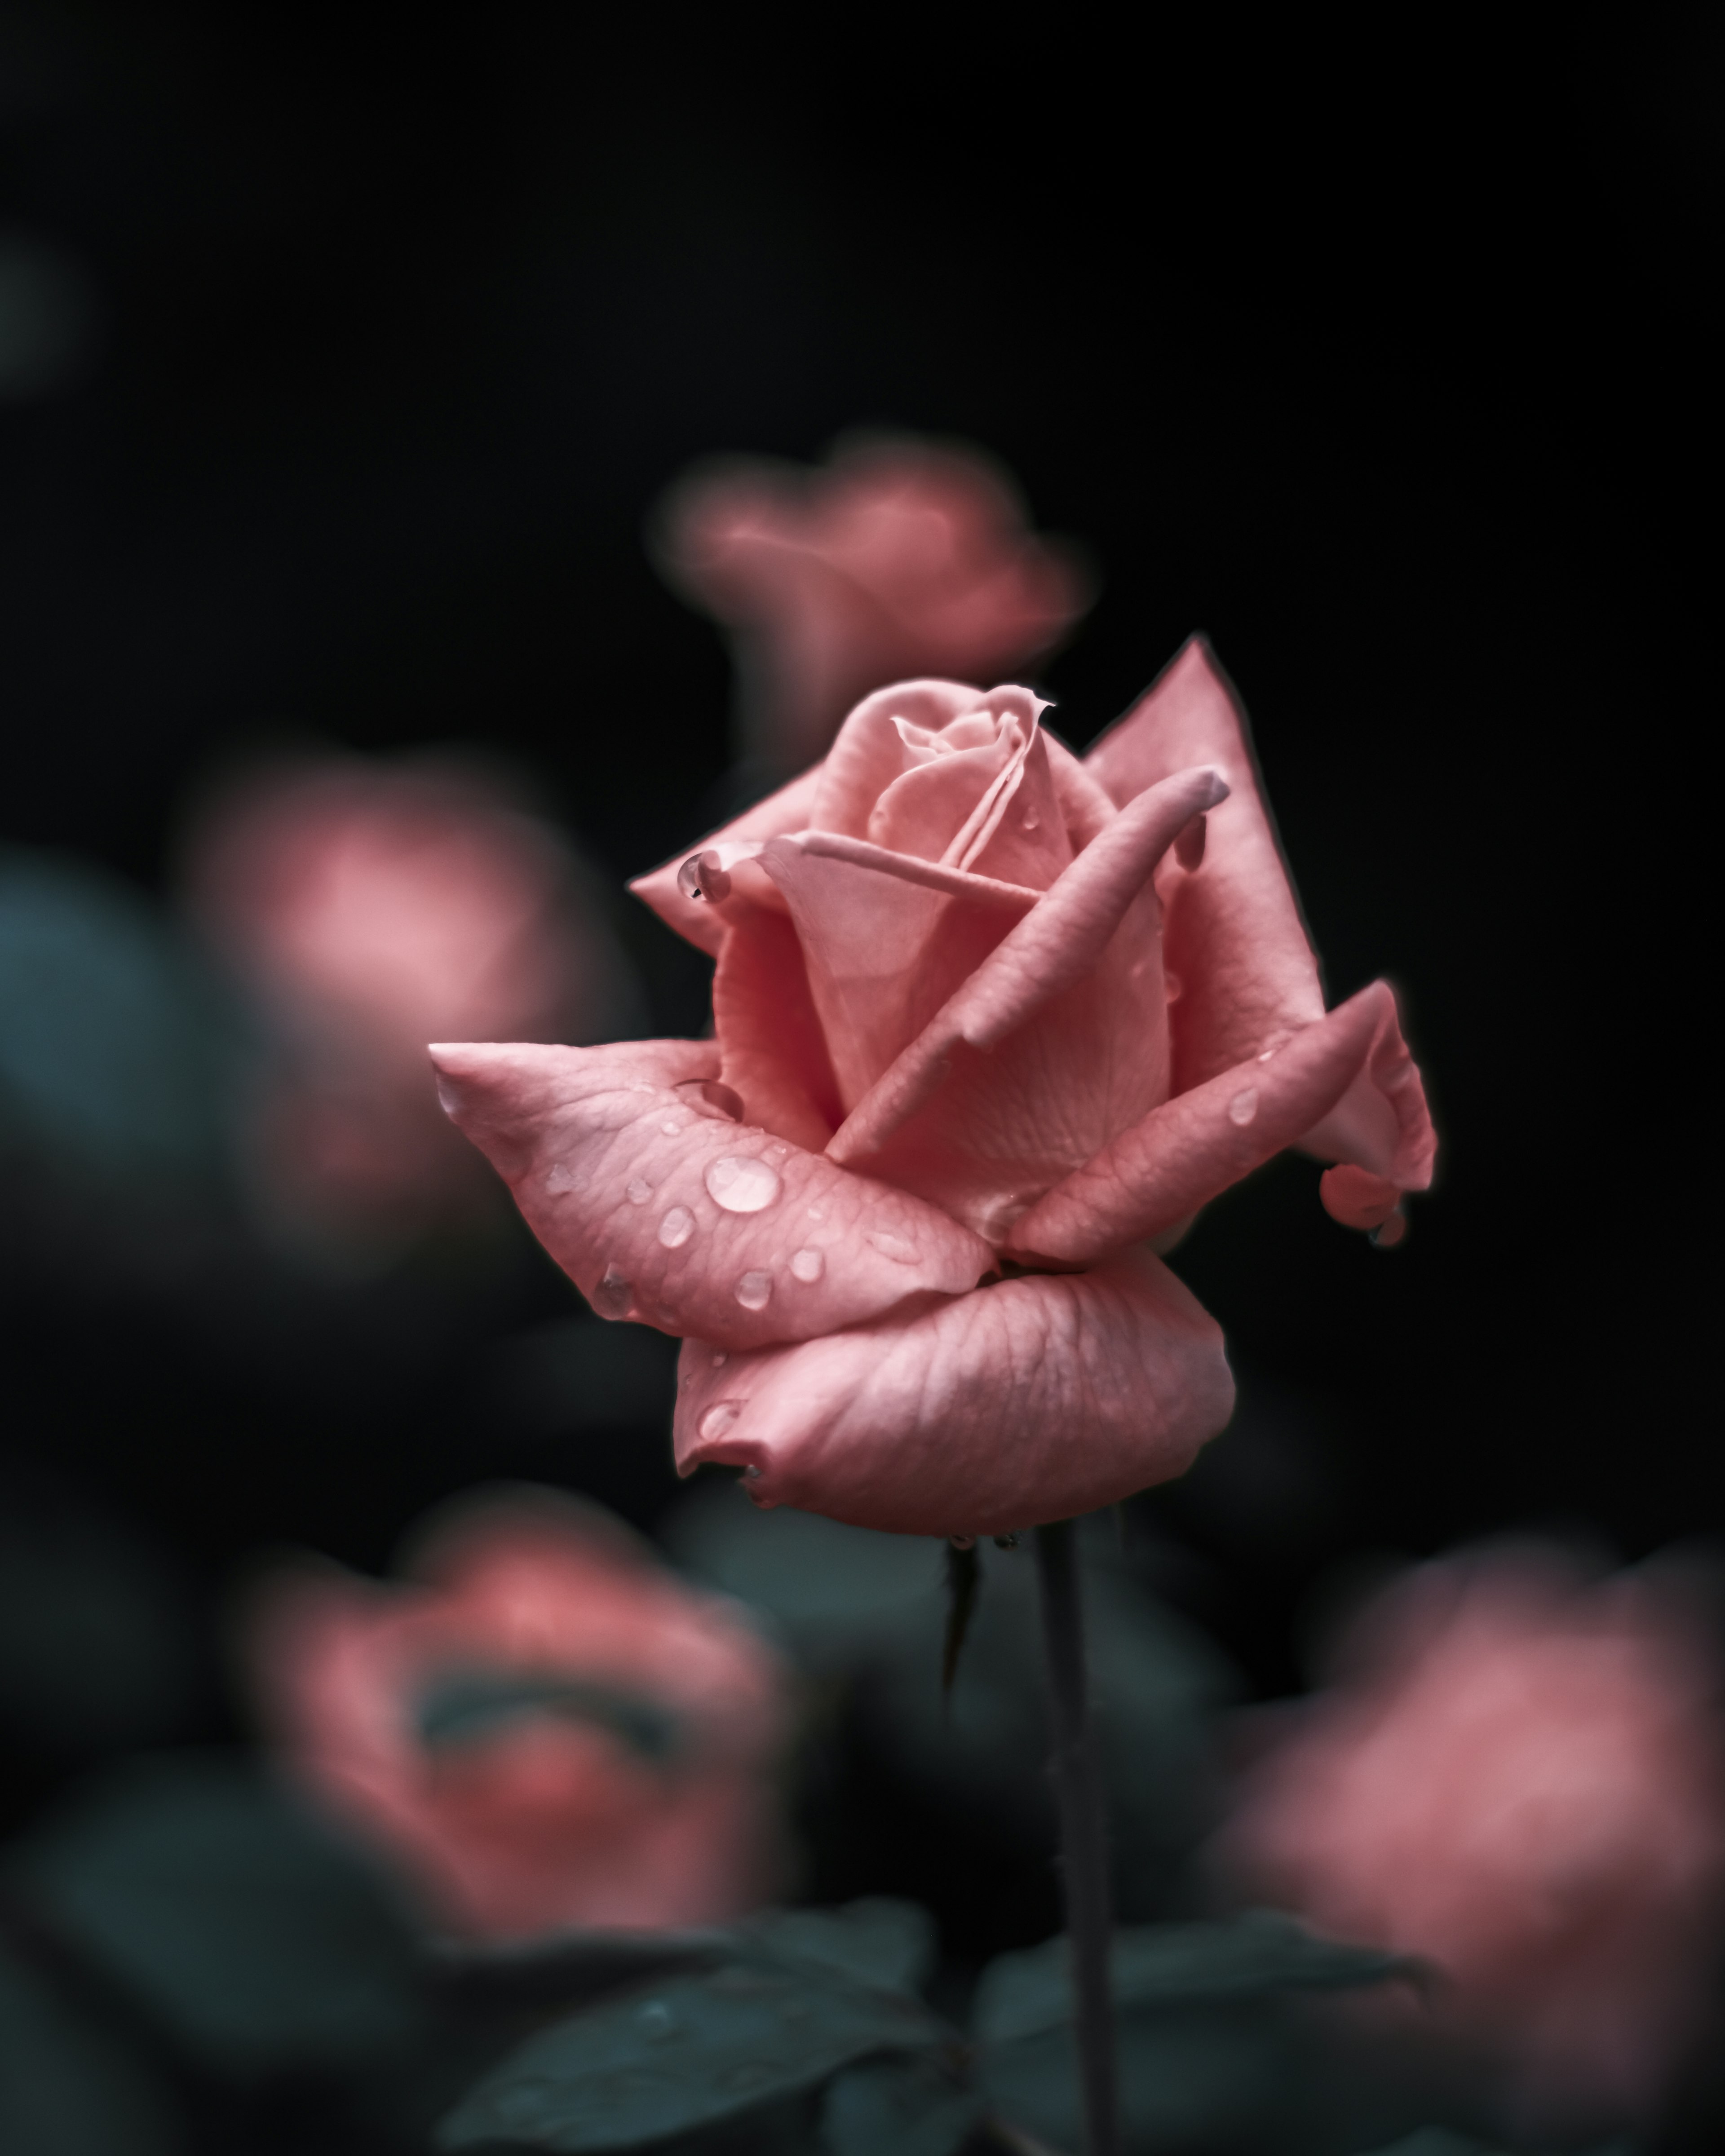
1266	1055
1030	820
741	1184
754	1290
721	1359
1171	987
676	1228
1243	1107
562	1177
751	1473
701	876
719	1417
808	1265
817	1212
777	1151
613	1296
673	1124
898	1248
640	1191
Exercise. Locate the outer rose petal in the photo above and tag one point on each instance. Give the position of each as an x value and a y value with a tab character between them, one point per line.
1022	1403
615	1170
1191	1148
693	918
1234	940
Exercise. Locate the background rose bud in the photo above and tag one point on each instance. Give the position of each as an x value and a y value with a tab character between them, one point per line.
1519	1776
368	907
898	556
539	1725
980	1008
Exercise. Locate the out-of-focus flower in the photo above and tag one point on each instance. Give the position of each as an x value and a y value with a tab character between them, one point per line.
899	556
369	907
540	1725
981	1009
1519	1778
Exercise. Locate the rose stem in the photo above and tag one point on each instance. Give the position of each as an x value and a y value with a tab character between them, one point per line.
963	1579
1084	1833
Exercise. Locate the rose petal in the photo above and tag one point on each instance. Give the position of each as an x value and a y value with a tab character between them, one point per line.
695	919
869	751
1192	1148
622	1170
1234	941
926	809
1052	949
1022	1403
1357	1198
884	945
1085	807
771	1046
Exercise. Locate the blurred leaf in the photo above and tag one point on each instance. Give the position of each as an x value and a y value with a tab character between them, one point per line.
1247	1957
252	1934
463	1705
697	2050
897	2107
111	1046
67	2086
886	1943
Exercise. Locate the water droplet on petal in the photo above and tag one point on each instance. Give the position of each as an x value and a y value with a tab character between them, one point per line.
751	1473
899	1248
1171	987
1243	1107
1030	820
638	1190
673	1124
1266	1055
721	1359
700	877
754	1290
817	1212
613	1296
719	1417
562	1177
741	1184
676	1228
808	1265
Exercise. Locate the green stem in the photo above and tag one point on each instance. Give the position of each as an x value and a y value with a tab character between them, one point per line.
1083	1832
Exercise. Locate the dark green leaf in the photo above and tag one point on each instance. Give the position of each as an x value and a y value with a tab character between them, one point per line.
898	2107
67	2086
876	1941
255	1937
464	1705
1251	1956
692	2051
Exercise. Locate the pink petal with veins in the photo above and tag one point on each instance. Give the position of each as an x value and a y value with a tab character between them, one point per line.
694	918
1194	1147
871	750
981	1134
771	1048
1022	1403
661	1207
1234	941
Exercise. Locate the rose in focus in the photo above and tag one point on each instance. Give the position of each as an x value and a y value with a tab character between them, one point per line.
899	556
366	908
1520	1778
991	1023
540	1727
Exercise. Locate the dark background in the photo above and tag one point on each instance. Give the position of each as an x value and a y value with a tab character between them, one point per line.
377	336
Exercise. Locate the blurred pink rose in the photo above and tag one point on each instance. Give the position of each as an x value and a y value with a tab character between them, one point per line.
540	1727
1520	1777
899	556
981	1009
369	907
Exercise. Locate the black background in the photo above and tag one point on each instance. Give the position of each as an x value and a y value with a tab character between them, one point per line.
1384	364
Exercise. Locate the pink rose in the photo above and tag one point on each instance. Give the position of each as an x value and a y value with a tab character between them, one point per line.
900	556
991	1022
1520	1779
542	1726
368	908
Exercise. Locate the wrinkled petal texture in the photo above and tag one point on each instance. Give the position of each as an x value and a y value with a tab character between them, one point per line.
1191	1148
1235	941
1026	1402
661	1207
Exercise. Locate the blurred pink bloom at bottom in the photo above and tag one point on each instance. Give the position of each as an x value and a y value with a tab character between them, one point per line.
1520	1779
543	1726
